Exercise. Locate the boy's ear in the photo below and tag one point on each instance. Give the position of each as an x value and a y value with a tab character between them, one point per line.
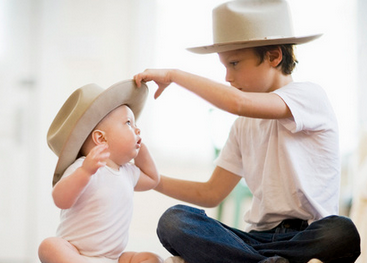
99	137
275	56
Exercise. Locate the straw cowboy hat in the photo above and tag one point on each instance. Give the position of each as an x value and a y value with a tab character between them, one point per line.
251	23
82	111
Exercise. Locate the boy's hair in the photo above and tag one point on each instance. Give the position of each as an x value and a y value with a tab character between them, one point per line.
289	60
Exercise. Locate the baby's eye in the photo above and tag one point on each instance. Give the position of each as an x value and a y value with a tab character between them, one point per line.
128	122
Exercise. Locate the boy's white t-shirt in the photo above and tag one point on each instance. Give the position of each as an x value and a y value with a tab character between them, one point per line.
98	223
291	166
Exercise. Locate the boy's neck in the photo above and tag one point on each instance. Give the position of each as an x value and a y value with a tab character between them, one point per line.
282	81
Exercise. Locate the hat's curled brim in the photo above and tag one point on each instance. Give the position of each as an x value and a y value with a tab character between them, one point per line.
229	46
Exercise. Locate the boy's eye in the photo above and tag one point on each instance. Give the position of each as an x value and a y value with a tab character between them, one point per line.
128	122
233	63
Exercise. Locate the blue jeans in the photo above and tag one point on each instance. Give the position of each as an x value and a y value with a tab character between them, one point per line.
197	238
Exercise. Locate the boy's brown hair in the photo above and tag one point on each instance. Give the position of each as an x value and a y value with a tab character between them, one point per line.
289	60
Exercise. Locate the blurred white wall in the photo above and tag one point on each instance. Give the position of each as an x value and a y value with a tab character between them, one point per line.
48	48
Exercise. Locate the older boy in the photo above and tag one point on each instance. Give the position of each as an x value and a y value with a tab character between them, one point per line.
95	137
285	145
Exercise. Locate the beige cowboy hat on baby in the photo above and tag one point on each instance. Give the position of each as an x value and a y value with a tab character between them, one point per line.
251	23
82	111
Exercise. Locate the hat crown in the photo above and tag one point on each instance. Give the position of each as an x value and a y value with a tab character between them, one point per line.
252	23
245	20
69	114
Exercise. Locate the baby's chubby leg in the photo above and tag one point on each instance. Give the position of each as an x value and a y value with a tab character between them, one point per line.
140	257
55	249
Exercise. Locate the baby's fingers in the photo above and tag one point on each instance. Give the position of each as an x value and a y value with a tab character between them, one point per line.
100	152
99	148
97	157
103	156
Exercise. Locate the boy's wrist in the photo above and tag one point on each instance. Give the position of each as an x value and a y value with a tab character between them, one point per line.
172	73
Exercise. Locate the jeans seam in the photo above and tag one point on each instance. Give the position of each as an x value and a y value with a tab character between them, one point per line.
241	241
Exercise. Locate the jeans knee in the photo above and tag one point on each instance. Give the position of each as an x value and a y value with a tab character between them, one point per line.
350	230
167	219
343	227
171	221
342	232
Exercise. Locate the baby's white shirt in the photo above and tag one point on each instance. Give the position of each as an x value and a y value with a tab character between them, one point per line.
98	223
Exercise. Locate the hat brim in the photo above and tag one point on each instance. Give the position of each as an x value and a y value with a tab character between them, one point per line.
229	46
121	93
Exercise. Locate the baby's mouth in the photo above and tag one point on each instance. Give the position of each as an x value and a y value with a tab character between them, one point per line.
138	143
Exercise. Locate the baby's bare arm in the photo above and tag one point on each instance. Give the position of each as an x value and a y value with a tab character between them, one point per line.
68	189
149	177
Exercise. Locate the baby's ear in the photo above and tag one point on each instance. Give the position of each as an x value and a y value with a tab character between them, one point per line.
99	137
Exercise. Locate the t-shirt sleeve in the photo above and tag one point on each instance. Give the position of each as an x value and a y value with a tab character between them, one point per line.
309	104
230	157
134	172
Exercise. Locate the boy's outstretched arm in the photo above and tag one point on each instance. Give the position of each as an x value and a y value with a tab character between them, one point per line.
205	194
230	99
149	176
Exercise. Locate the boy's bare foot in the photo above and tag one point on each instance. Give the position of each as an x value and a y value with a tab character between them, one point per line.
175	259
314	260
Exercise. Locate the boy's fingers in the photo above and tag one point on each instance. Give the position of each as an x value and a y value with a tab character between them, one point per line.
137	80
159	91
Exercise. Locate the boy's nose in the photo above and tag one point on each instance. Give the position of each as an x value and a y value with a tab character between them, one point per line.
228	77
137	131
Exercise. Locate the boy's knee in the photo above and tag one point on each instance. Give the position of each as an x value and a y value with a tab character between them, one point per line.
342	227
349	232
342	232
171	218
172	222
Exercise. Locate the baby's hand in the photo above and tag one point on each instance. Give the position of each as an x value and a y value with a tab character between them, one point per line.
96	158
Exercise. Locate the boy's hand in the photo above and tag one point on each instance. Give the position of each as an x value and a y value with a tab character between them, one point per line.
149	176
96	158
161	77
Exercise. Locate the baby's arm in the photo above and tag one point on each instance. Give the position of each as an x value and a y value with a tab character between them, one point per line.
149	176
68	189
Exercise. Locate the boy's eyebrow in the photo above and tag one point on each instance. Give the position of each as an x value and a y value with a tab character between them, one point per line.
226	59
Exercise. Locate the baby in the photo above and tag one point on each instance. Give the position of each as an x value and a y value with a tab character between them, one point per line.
95	137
